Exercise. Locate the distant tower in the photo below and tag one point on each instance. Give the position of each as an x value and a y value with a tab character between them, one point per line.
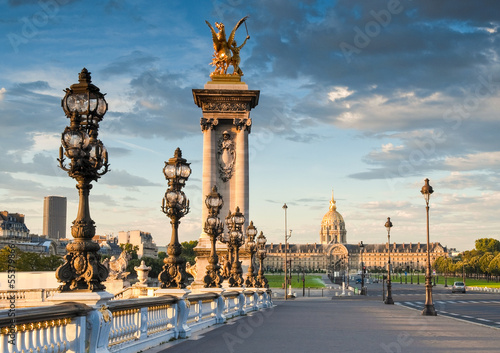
54	217
332	226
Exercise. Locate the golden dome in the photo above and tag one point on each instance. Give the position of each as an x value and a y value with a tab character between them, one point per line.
332	216
332	226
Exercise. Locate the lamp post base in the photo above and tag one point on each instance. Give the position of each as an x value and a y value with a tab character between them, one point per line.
388	300
429	310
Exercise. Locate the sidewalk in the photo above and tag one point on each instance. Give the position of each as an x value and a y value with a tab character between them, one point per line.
341	324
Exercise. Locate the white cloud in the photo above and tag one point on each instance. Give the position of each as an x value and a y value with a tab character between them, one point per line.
46	141
474	161
390	147
2	92
339	92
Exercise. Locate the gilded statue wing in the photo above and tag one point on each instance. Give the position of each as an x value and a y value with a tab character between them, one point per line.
217	43
233	32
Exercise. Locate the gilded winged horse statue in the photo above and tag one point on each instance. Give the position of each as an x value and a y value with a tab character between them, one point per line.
226	52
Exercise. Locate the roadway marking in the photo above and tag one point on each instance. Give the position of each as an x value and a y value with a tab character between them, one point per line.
454	314
468	317
480	319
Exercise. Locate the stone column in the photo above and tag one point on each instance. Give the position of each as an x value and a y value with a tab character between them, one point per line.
226	108
241	197
209	169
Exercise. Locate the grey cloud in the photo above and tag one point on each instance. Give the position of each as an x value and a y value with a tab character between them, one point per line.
127	64
125	179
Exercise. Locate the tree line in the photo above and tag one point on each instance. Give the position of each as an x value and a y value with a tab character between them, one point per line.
481	262
31	261
28	261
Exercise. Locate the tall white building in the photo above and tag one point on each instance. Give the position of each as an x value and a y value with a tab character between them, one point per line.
143	240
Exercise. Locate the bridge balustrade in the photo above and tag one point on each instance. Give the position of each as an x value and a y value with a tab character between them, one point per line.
124	326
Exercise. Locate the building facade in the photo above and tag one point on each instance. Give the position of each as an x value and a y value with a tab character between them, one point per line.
12	226
143	240
54	217
334	255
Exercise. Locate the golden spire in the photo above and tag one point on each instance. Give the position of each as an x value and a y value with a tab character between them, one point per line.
333	207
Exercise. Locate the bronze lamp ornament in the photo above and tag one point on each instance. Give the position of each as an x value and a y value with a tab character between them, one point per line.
85	106
175	205
214	228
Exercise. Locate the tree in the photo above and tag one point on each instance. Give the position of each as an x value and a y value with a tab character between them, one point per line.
162	255
131	249
485	245
4	258
188	250
494	266
29	261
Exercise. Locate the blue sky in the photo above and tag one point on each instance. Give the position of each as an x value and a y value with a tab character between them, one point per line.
368	98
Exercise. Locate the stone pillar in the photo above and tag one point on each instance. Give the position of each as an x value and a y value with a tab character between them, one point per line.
225	125
209	171
241	197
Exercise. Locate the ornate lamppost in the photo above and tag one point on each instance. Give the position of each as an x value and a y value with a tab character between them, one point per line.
285	208
261	252
175	205
214	228
411	272
250	281
361	247
388	226
429	309
418	272
234	223
85	106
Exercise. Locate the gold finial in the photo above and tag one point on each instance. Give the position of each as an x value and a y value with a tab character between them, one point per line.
333	207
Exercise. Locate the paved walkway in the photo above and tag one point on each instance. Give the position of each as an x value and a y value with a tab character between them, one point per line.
348	324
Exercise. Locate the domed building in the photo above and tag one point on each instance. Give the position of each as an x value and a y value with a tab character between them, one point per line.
335	256
332	226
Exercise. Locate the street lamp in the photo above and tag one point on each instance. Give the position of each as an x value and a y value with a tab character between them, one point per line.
388	226
411	272
250	281
361	247
261	252
406	272
214	228
234	223
429	309
418	272
85	106
285	207
175	205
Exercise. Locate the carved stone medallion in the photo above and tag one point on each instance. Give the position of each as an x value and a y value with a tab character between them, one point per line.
226	156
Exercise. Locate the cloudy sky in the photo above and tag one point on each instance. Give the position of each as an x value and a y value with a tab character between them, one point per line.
366	97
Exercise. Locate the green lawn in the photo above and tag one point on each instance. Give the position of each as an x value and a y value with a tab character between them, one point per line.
468	281
312	281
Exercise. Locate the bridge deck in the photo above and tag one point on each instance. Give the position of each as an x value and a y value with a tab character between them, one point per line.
348	324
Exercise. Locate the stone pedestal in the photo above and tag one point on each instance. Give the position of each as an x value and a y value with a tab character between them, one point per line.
115	286
94	299
225	103
179	293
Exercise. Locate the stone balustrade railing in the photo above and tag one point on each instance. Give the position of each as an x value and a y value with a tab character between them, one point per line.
59	328
125	326
26	296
